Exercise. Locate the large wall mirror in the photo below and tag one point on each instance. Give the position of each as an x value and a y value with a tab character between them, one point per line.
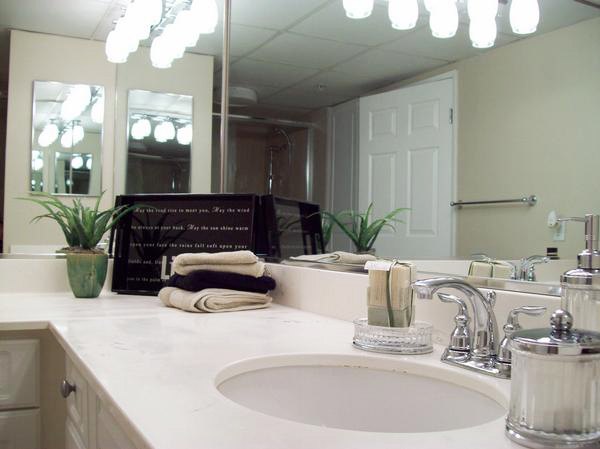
405	119
160	130
66	146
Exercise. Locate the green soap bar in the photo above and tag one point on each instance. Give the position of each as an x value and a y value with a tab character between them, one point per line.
379	317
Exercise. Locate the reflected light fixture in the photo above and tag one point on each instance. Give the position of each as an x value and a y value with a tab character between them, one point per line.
184	135
77	162
88	163
140	129
37	164
443	19
482	32
180	29
524	16
358	9
48	135
66	139
78	132
403	14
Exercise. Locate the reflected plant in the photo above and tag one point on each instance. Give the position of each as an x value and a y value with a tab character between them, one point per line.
360	228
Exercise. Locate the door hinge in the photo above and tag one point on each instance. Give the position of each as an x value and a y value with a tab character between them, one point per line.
451	116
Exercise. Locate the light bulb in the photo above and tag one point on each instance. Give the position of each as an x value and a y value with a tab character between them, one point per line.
145	126
69	109
78	133
97	112
77	162
48	135
186	26
137	131
482	9
67	138
43	140
82	95
482	32
206	13
126	34
116	51
169	130
403	13
159	134
430	5
524	16
88	163
184	135
358	9
37	164
137	20
159	53
443	20
175	41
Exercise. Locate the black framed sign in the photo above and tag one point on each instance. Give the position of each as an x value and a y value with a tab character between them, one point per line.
166	225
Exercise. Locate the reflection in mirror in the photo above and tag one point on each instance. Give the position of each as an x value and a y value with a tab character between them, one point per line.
159	142
402	118
66	138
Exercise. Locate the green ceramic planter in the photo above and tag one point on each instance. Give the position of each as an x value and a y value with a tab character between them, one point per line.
87	273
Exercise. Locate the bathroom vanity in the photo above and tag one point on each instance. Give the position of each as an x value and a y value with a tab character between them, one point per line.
139	375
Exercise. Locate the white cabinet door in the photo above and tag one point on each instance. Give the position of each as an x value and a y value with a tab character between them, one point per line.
19	368
109	434
77	402
20	429
406	160
72	438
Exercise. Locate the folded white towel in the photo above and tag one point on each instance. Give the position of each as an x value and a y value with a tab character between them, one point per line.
240	262
213	300
338	257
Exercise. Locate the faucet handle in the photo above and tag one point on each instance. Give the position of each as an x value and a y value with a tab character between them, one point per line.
460	339
512	325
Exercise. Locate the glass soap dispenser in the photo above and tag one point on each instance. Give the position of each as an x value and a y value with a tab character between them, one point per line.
581	286
555	386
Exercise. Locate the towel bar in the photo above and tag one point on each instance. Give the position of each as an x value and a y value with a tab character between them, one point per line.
529	200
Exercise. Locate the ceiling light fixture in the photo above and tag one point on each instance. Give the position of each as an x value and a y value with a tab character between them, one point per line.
524	16
358	9
444	16
180	27
403	14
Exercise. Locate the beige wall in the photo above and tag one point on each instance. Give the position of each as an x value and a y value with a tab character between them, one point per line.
190	75
47	58
529	123
52	58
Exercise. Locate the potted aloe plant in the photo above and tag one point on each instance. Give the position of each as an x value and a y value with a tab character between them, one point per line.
83	228
361	228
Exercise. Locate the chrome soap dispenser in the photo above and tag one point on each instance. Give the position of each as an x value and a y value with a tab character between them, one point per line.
581	287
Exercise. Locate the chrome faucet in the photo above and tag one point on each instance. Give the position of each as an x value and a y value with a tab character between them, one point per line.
527	270
481	355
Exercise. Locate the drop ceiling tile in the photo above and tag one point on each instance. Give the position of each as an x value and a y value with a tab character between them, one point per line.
74	18
422	43
304	51
331	23
378	65
243	40
302	99
271	111
274	14
338	83
248	71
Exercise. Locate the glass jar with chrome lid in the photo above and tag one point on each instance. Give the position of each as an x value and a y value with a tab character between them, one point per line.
555	386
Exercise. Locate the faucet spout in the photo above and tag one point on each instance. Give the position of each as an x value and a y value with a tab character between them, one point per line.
485	328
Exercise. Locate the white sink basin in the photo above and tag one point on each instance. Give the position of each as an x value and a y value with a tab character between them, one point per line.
362	393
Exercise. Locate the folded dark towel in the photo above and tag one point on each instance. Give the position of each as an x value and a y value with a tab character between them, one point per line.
201	279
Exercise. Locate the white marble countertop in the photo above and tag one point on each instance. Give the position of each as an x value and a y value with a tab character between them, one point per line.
157	367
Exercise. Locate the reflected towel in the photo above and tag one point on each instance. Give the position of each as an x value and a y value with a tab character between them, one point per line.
200	280
240	262
213	300
502	270
480	269
337	256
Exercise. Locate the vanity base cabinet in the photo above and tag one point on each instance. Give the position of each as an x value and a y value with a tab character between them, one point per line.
20	429
90	424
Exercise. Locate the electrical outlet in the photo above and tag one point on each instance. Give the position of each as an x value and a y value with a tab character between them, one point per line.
559	232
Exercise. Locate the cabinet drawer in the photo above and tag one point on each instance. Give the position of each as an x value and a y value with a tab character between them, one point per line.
109	434
20	429
19	374
77	402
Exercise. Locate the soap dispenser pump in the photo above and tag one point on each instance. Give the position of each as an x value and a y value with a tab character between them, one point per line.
581	286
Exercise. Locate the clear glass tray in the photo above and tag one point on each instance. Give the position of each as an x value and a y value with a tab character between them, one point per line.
415	339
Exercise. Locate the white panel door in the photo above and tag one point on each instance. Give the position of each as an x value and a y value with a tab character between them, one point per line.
406	160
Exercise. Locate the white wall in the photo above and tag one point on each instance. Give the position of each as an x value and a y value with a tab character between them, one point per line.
528	123
48	58
44	57
191	75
